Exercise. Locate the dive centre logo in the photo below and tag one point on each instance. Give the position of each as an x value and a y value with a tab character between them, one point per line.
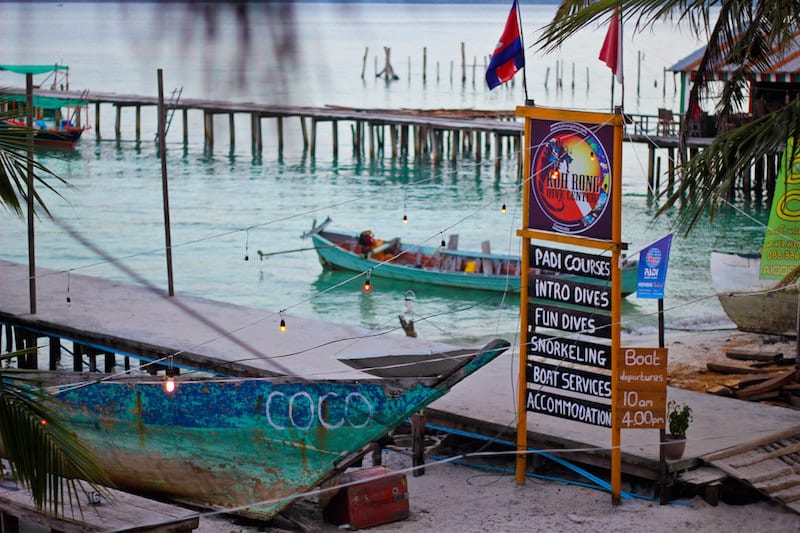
570	179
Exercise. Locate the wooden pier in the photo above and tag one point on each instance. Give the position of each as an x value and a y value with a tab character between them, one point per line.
437	135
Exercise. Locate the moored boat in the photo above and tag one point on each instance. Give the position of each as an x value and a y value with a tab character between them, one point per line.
434	265
56	120
753	304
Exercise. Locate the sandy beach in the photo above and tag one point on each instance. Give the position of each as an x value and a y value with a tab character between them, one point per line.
458	498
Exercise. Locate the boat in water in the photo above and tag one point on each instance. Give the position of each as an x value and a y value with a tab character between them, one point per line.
442	265
753	304
56	119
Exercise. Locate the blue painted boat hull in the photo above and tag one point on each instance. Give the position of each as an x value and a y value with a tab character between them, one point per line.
247	446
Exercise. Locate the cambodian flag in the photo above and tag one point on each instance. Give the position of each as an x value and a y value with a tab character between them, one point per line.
509	54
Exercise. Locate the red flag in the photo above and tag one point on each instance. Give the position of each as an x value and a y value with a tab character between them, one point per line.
611	52
509	55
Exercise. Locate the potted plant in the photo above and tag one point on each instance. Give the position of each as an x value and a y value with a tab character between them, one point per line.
678	418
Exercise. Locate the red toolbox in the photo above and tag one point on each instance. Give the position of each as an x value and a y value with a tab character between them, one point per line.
380	498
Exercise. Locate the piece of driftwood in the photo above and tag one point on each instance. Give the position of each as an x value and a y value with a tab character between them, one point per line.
768	386
753	355
730	368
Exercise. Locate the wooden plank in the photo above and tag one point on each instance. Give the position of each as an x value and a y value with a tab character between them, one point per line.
702	476
727	368
736	450
769	385
113	510
753	355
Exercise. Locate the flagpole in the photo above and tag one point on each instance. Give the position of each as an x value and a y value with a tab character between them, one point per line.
522	41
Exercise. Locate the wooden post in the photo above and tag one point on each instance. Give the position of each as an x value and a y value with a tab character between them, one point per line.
463	63
404	139
118	122
651	153
371	133
162	119
305	132
55	352
279	130
454	140
110	362
418	443
185	126
364	62
335	128
424	64
313	139
478	146
97	121
232	128
208	127
255	133
31	193
393	139
138	122
77	357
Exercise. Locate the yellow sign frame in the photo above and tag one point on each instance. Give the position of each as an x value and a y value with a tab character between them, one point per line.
530	114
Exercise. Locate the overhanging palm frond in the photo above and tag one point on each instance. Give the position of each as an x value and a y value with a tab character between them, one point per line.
14	143
44	454
709	177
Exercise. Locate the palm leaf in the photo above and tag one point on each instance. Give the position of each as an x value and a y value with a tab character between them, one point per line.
44	455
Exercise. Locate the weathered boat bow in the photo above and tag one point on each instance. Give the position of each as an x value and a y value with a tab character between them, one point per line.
245	445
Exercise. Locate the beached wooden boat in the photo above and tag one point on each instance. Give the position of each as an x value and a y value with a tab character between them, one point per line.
442	265
246	445
751	303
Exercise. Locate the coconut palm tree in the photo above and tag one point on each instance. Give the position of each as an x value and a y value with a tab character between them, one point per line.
741	33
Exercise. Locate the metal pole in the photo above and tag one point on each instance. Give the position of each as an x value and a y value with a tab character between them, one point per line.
162	144
31	242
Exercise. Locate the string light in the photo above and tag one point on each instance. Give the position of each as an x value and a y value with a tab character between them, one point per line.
246	244
591	156
367	284
169	385
43	422
405	217
282	326
503	209
443	244
68	298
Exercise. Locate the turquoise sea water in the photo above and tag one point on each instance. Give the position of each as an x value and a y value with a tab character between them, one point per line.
227	205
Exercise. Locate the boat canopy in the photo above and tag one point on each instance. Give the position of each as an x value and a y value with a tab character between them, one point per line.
34	69
45	102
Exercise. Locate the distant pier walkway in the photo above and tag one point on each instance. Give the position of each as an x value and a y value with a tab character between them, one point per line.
439	134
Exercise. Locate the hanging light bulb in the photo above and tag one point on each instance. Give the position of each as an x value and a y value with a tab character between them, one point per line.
405	219
367	284
409	301
443	244
282	326
169	385
591	156
503	209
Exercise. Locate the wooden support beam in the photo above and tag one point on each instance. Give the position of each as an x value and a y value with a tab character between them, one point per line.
371	129
305	132
55	352
335	131
110	362
478	146
313	140
97	121
418	443
393	139
404	139
255	133
118	123
208	128
77	357
454	143
232	128
279	129
138	122
185	113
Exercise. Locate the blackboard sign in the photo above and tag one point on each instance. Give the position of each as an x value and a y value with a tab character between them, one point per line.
571	292
570	262
567	407
569	379
567	319
572	350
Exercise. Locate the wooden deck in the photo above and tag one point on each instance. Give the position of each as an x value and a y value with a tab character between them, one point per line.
142	321
112	511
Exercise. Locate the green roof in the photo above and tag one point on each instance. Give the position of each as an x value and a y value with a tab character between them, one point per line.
33	69
45	102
